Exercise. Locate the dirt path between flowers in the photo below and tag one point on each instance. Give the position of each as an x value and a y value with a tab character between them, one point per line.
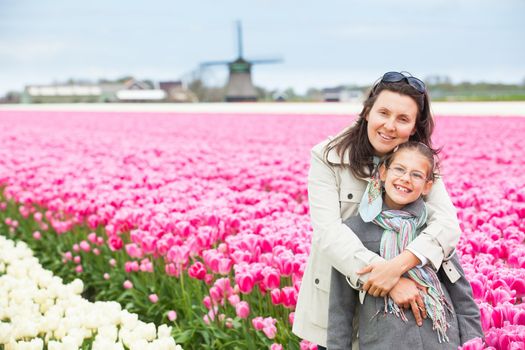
460	109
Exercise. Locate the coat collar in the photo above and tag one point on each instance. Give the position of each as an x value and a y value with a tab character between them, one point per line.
334	158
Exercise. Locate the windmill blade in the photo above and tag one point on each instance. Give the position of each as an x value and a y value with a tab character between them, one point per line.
239	39
213	63
266	61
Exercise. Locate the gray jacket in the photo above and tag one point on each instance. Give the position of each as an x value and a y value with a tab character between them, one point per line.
385	331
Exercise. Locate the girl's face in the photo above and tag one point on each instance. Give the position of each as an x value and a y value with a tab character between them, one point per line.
391	121
406	178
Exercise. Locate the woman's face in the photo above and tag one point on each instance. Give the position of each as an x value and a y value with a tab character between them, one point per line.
391	121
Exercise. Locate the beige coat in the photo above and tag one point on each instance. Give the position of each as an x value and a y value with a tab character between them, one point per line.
334	195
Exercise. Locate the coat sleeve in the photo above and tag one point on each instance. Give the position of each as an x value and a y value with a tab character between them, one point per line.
467	311
335	240
441	235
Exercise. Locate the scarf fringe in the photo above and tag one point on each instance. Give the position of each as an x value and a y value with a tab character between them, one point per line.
400	228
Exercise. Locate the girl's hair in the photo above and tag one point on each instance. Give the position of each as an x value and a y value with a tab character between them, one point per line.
429	153
355	139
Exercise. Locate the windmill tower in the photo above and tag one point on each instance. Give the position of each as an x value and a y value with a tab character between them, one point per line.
240	87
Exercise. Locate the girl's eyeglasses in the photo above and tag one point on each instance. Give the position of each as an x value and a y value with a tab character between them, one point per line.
417	177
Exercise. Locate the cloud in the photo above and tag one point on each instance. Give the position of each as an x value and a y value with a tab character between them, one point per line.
31	51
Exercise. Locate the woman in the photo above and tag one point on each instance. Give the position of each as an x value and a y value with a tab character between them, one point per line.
397	110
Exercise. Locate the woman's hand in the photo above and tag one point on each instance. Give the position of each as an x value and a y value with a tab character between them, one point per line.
406	294
383	277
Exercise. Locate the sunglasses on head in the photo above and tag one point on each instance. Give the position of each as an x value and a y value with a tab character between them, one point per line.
394	77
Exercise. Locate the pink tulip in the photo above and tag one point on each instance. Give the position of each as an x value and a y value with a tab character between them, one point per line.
172	270
127	284
270	330
271	276
92	237
276	296
276	346
234	299
131	266
85	246
134	251
216	294
197	271
172	315
245	283
289	297
153	298
224	266
242	309
306	345
207	302
258	323
79	269
37	235
473	344
291	317
115	243
106	276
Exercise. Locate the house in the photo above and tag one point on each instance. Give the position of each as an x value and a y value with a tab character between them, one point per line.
342	94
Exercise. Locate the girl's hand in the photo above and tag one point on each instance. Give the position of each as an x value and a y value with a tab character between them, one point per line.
383	277
406	294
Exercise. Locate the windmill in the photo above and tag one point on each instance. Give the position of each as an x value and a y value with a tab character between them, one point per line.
240	86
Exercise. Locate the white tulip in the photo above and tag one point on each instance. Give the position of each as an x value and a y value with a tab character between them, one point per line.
164	331
55	345
146	331
77	286
36	303
74	339
109	333
27	329
129	320
105	344
61	331
5	332
69	345
139	344
164	343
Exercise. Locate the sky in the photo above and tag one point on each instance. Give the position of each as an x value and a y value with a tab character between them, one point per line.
322	43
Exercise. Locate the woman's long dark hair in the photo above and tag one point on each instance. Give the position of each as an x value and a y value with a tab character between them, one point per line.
355	139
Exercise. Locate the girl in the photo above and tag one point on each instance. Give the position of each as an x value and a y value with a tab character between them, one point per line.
397	110
406	174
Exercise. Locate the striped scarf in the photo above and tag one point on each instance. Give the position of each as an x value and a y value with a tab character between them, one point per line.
401	228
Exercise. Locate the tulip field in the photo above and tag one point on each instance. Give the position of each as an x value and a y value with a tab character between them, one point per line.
170	231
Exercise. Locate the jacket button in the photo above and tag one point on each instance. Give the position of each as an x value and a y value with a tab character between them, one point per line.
316	281
350	196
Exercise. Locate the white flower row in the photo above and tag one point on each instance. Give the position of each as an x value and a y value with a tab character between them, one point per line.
36	308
